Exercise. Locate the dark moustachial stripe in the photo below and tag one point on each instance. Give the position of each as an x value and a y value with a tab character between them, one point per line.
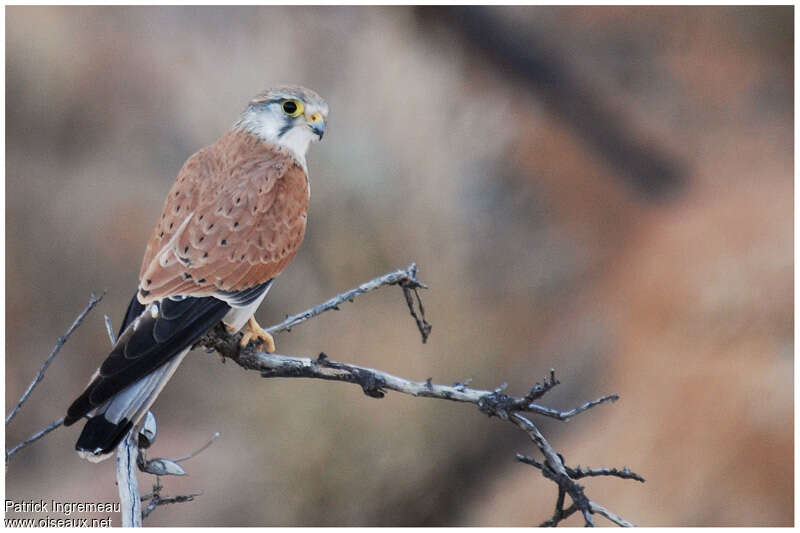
288	124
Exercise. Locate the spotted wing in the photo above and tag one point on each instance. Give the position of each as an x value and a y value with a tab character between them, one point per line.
234	219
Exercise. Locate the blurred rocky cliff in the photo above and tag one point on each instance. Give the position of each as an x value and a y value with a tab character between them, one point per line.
603	191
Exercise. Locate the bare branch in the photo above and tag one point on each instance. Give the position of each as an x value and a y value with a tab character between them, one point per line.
93	301
406	278
540	389
36	436
566	415
376	383
625	473
156	499
422	324
128	483
599	509
560	513
553	468
200	450
161	466
110	330
578	473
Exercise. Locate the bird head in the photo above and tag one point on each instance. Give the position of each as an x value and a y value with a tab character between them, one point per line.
290	116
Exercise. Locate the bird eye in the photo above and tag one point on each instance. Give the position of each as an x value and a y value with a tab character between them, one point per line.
293	108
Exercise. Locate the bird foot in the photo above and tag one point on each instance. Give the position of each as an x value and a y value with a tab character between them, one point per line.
252	331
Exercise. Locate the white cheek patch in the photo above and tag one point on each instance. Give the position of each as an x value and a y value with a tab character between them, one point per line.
297	140
264	125
268	125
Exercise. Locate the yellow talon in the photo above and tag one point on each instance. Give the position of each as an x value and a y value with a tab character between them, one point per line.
253	331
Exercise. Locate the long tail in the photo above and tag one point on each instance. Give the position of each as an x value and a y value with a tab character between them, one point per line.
153	342
112	421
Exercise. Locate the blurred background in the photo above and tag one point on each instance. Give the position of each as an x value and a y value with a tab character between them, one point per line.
603	191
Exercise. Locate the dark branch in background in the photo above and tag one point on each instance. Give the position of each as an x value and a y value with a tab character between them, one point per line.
93	301
374	383
526	56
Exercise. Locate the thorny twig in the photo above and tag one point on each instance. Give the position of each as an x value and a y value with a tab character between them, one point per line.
412	285
93	301
156	499
375	383
578	472
160	467
575	474
406	278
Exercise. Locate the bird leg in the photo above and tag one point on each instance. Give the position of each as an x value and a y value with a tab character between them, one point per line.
253	331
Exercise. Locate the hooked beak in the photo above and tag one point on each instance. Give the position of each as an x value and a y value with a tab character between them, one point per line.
317	124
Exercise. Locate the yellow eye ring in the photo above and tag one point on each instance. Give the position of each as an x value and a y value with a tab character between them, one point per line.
293	108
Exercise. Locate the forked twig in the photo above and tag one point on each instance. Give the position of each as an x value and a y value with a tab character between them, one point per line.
93	301
374	383
156	499
406	278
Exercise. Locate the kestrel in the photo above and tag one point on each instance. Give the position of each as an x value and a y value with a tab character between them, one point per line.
232	221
